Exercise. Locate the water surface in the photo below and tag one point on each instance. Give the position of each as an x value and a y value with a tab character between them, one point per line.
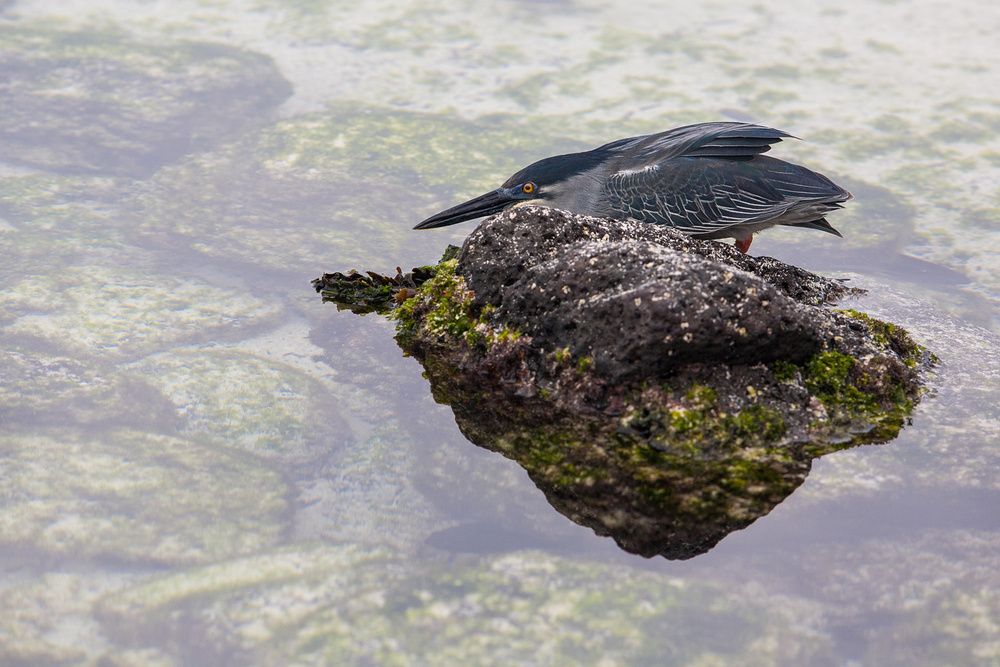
200	463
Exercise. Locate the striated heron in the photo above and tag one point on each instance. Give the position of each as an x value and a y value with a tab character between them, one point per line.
709	181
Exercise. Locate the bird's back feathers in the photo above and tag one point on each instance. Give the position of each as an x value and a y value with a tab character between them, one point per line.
709	177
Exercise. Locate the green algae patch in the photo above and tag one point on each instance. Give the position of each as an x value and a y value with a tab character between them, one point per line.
698	423
302	563
442	308
429	302
628	480
47	221
892	336
138	497
828	377
866	398
432	151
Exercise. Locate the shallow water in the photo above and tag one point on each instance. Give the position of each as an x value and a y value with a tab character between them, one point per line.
200	463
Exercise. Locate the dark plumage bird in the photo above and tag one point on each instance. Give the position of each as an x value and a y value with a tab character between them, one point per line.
708	180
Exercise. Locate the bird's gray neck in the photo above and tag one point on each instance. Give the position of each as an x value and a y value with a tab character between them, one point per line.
582	193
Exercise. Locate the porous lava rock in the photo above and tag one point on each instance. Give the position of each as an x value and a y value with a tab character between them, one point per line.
662	308
505	245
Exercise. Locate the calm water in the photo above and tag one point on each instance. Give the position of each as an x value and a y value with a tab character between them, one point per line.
200	463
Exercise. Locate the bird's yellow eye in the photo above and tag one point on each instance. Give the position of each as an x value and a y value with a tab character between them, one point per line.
528	188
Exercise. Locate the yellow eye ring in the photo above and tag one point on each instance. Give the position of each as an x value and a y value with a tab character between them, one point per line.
528	188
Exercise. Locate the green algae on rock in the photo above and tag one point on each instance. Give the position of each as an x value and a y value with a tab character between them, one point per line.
665	436
363	293
400	146
99	102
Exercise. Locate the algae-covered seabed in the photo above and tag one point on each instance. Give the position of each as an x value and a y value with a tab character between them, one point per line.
200	463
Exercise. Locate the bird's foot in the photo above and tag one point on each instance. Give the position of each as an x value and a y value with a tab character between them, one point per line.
744	245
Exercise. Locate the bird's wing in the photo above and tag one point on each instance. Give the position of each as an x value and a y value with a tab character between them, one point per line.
723	140
700	195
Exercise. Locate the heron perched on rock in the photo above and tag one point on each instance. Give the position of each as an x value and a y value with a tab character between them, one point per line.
709	181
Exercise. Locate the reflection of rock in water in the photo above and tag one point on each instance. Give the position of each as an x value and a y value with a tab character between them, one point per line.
671	475
660	390
652	502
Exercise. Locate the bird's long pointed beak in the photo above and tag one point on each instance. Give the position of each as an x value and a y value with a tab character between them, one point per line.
483	205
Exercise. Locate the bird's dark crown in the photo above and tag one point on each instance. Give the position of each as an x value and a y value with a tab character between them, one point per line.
557	168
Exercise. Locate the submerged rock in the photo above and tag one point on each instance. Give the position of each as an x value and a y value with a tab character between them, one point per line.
659	389
59	390
97	102
136	497
333	183
352	605
121	313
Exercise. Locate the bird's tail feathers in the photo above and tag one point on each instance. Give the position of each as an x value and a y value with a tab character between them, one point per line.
820	224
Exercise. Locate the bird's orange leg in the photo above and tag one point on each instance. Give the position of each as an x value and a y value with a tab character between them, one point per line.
743	246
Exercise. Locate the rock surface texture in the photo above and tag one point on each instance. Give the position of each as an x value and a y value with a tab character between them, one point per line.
642	300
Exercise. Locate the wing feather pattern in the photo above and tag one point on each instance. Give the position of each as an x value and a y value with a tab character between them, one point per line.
704	178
